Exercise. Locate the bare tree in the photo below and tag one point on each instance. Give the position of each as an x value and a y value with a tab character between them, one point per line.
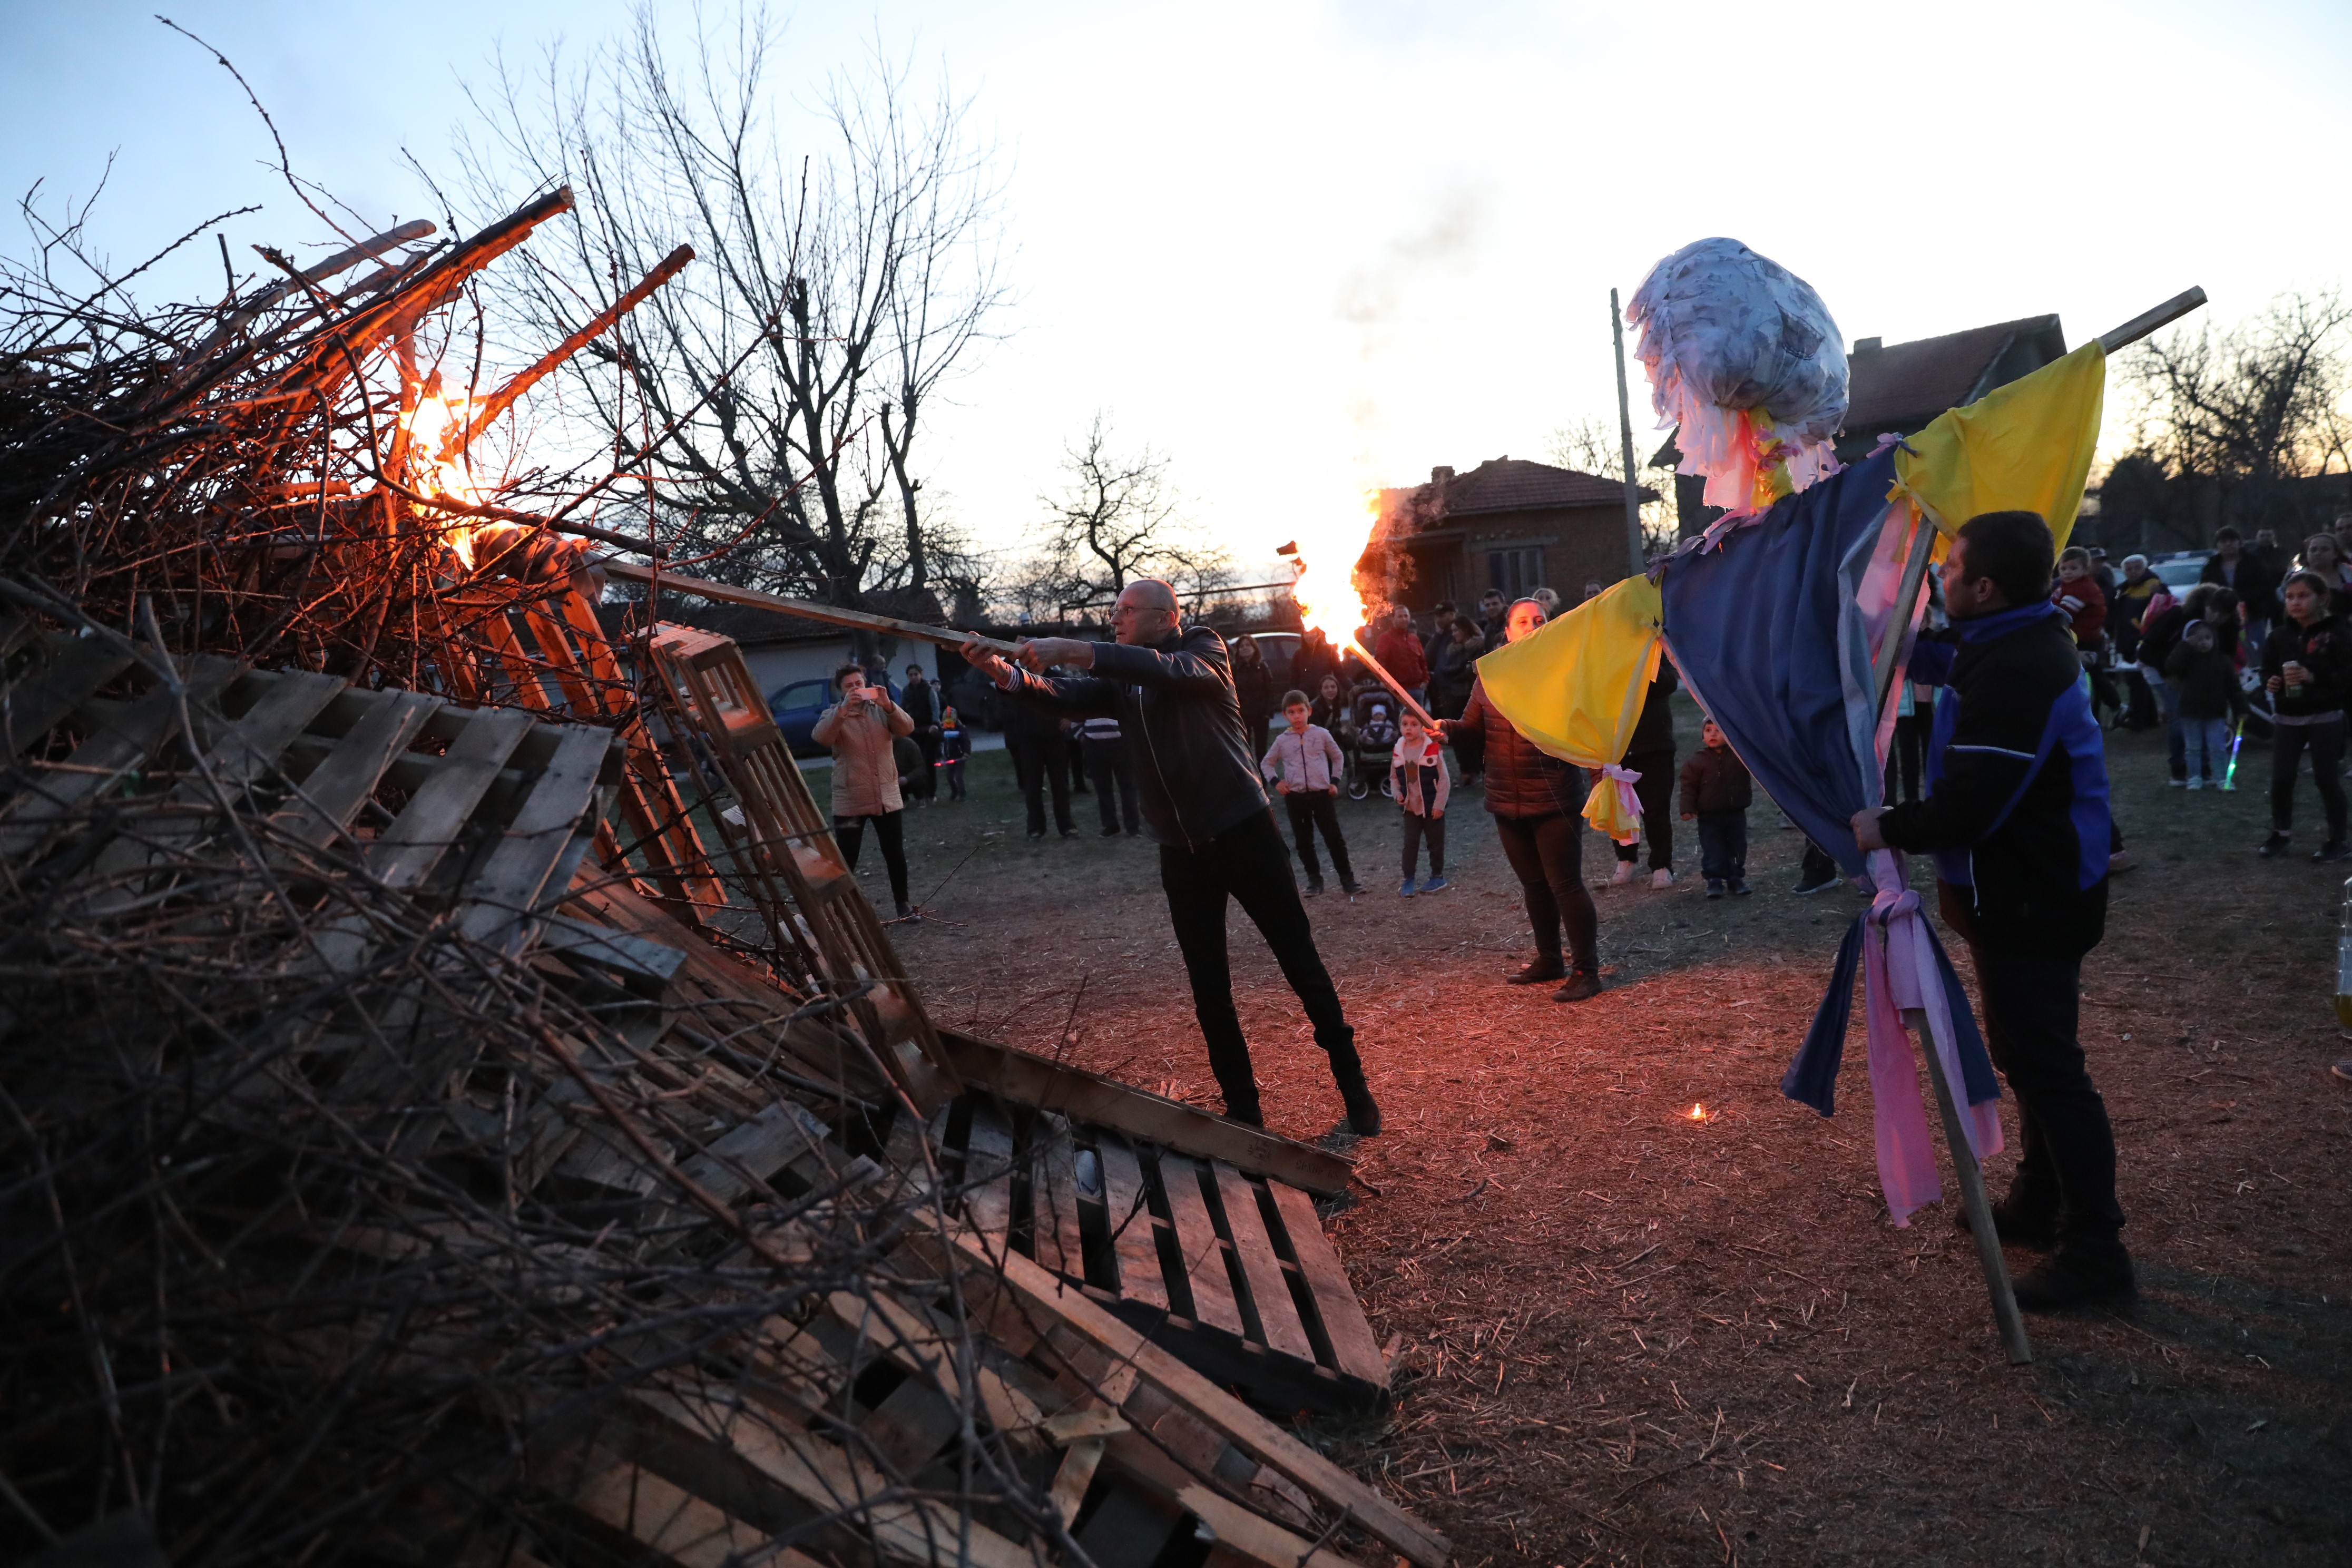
1597	446
2233	421
771	398
1116	519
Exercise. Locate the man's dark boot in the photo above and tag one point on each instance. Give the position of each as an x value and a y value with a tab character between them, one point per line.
1244	1109
1363	1110
2019	1221
1542	972
2083	1273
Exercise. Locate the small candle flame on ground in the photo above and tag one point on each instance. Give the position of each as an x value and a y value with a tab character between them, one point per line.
1698	1113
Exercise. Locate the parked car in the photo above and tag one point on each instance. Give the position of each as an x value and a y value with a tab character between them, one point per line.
2178	572
796	708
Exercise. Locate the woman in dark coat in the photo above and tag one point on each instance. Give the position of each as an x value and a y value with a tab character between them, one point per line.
1254	689
1537	802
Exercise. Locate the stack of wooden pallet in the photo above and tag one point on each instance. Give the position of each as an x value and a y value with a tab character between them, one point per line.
612	1239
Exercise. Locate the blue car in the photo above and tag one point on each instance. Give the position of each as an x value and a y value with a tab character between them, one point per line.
796	708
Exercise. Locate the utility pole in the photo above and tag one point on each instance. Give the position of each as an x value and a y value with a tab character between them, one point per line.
1625	428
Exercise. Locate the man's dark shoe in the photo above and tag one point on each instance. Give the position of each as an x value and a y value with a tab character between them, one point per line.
2273	846
1715	889
1069	833
1351	887
1036	833
1363	1110
907	914
1542	972
1582	986
1740	888
1247	1114
1801	888
2016	1225
1110	833
2082	1274
2336	850
1314	887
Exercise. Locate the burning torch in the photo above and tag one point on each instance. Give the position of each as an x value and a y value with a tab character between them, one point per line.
1298	567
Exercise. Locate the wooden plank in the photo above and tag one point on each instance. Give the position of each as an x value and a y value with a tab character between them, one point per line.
1020	1078
1134	1233
910	1336
250	746
331	794
1043	1299
988	1173
405	854
1277	1314
911	1426
71	668
1199	1244
504	895
125	738
673	1521
1060	1236
828	1480
1076	1475
1344	1325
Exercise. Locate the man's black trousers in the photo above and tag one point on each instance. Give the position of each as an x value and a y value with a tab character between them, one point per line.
1113	777
1656	790
1247	862
1310	810
1037	760
927	783
2067	1166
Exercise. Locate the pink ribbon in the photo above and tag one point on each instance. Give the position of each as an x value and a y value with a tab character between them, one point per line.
1624	779
1900	972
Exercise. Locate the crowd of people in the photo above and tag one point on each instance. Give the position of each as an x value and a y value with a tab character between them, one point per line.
1996	768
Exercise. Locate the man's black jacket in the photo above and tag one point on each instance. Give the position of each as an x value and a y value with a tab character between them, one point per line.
1175	705
2016	807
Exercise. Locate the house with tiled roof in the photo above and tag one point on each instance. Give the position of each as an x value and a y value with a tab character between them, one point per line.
1508	524
1897	388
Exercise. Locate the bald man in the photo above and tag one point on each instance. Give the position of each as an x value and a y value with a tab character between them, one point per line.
1172	692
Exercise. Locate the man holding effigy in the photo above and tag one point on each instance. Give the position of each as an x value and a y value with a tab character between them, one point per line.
2016	814
1171	689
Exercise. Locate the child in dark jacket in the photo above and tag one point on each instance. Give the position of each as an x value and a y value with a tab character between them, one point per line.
2205	687
1717	791
955	745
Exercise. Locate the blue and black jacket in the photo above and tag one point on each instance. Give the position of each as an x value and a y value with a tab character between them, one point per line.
2016	801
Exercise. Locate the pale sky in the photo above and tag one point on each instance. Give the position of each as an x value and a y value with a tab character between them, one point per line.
1305	249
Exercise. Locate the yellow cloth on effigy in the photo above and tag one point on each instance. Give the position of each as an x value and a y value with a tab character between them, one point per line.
2025	446
1575	688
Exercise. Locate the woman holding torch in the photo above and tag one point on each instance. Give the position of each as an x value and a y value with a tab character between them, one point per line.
1537	802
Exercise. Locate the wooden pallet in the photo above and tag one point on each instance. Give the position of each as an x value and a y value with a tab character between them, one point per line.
1227	1268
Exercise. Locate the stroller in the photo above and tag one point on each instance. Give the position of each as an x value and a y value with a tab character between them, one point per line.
1371	741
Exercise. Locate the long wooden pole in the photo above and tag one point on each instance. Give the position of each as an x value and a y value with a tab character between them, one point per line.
807	610
1382	670
1972	1196
1626	432
1965	1169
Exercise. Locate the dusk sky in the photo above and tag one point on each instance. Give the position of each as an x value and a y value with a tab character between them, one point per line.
1306	249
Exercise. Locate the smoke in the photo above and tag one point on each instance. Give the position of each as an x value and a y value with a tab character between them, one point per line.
1396	304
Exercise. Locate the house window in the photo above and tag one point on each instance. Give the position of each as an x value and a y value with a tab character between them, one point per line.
1515	574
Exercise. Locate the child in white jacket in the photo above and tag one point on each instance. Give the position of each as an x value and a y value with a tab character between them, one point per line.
1418	779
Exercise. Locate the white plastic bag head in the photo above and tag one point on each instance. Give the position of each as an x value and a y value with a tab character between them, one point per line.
1743	356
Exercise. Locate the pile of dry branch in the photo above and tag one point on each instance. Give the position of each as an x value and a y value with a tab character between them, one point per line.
415	1143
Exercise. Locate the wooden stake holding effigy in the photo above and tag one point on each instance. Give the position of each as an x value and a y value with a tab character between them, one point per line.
1893	654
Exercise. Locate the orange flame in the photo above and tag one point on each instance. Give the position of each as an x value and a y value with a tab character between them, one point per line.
438	466
1697	1113
1324	561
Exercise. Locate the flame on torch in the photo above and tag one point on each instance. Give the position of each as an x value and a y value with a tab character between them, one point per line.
1324	589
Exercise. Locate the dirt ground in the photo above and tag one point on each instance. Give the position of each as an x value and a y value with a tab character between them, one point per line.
1621	1335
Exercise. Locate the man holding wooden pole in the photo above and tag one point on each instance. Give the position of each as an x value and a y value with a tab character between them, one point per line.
2016	814
1171	691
